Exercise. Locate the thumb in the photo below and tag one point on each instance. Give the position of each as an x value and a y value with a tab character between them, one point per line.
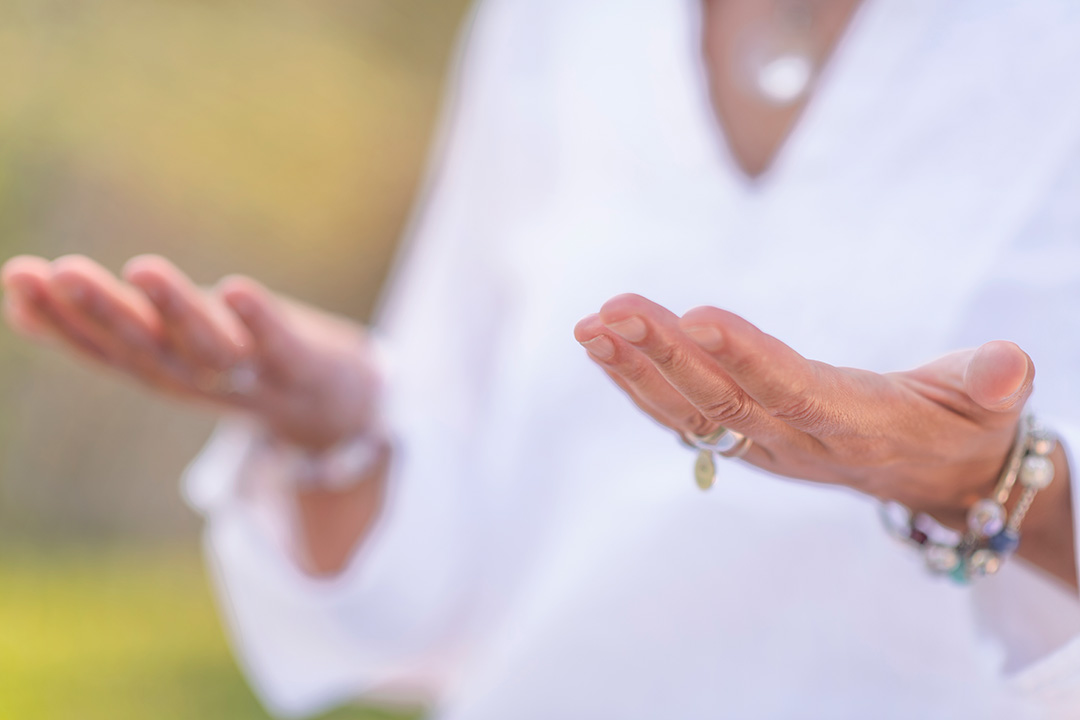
999	376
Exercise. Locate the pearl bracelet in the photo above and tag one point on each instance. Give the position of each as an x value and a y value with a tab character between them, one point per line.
992	533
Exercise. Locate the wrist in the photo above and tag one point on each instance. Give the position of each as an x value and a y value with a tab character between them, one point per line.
1049	531
992	529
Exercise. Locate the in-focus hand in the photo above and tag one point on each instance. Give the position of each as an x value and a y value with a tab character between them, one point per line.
308	375
933	438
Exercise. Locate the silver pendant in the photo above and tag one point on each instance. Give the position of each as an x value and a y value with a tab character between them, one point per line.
784	79
777	57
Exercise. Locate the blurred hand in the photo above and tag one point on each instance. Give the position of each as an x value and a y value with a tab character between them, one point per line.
309	376
933	438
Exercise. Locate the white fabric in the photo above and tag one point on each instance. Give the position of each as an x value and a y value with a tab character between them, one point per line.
545	553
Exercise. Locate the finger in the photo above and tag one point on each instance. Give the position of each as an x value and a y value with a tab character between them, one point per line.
786	385
113	314
119	320
19	311
26	280
83	318
999	376
23	320
640	379
198	327
87	301
654	331
279	351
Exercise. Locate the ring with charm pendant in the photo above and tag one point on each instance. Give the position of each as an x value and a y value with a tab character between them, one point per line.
719	443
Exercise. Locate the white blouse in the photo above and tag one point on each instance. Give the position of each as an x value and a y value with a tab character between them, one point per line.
545	552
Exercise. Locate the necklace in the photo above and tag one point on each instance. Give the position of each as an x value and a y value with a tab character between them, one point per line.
778	58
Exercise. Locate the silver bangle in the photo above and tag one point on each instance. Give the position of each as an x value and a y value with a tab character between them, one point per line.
338	468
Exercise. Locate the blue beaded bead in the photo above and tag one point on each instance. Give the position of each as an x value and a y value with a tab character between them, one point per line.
1005	542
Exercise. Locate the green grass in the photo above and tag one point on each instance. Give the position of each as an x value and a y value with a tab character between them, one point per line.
118	634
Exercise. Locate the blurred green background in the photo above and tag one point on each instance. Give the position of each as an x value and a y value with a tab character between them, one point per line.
283	139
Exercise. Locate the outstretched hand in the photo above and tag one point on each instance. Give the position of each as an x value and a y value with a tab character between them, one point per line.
308	375
933	438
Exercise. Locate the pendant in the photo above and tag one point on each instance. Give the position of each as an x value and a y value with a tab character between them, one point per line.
777	57
705	470
784	79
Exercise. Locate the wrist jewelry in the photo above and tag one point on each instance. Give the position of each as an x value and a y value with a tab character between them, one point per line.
992	533
338	468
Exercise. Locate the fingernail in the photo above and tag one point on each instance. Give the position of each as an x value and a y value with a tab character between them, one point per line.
601	347
706	336
632	329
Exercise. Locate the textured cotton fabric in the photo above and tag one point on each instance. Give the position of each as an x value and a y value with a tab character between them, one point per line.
544	552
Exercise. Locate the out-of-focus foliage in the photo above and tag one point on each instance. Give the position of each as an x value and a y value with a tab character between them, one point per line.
118	635
279	138
272	112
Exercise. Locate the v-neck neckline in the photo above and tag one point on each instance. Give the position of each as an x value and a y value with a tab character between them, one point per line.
834	74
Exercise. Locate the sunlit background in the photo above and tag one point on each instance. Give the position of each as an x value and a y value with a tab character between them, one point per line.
278	138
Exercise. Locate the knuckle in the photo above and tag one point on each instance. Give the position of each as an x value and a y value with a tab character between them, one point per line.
730	408
666	354
634	372
743	364
675	363
797	408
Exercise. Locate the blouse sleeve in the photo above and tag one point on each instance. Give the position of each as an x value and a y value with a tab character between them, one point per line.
1032	297
397	618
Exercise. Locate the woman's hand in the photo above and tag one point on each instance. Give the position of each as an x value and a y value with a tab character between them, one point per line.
933	438
308	376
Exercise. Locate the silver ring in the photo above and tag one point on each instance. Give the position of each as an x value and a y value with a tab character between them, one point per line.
741	447
723	441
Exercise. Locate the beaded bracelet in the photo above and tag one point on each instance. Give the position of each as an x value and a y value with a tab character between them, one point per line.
992	534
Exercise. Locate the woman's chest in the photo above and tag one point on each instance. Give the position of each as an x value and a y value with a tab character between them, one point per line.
924	155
